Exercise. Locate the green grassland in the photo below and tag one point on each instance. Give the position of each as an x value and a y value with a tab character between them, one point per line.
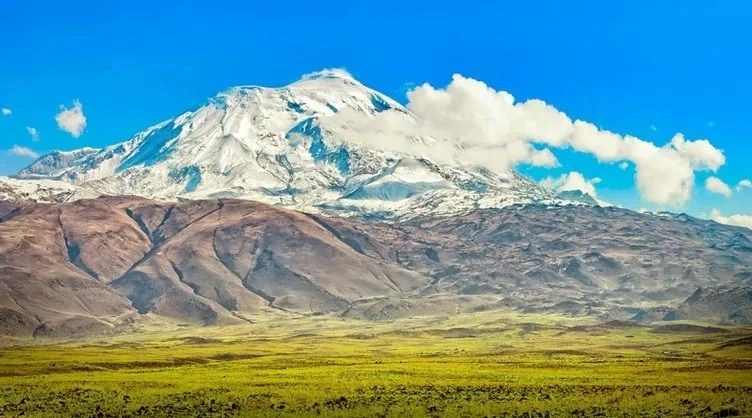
484	364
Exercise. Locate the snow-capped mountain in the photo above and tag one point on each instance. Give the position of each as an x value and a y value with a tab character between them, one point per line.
274	145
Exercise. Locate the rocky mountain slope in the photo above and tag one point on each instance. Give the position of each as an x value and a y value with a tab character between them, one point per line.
281	146
98	262
95	265
723	304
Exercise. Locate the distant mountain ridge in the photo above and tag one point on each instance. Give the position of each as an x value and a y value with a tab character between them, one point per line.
269	145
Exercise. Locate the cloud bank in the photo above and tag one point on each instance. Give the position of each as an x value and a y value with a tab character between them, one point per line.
23	152
72	120
572	181
471	123
716	185
737	220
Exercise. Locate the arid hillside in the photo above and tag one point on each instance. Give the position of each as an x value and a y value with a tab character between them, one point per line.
96	265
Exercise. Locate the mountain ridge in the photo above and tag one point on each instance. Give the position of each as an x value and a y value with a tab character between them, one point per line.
101	265
271	145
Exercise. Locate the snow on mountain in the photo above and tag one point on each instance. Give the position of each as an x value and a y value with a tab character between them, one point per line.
270	145
44	190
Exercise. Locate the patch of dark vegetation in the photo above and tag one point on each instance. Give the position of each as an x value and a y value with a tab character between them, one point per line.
738	342
717	366
377	400
604	328
361	336
118	345
99	403
688	328
302	335
197	340
457	333
726	412
405	333
623	324
235	356
126	365
588	329
569	352
529	328
464	332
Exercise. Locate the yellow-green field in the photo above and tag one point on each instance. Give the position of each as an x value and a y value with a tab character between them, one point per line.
485	364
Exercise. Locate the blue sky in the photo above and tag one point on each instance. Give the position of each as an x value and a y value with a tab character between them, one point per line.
649	69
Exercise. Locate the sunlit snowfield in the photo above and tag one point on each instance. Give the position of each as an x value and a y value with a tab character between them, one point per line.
485	364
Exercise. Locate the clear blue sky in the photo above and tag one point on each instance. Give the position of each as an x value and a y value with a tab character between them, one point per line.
626	66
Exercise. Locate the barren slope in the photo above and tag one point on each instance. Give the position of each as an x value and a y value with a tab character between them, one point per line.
197	261
94	264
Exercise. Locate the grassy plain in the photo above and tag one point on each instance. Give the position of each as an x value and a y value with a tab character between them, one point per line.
484	364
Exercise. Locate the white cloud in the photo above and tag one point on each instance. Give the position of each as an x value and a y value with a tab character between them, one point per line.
716	185
471	123
743	183
572	181
700	153
624	165
72	120
33	133
653	128
23	152
543	158
738	220
6	111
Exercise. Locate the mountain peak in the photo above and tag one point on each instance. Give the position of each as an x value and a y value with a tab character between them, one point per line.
286	146
329	73
326	79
